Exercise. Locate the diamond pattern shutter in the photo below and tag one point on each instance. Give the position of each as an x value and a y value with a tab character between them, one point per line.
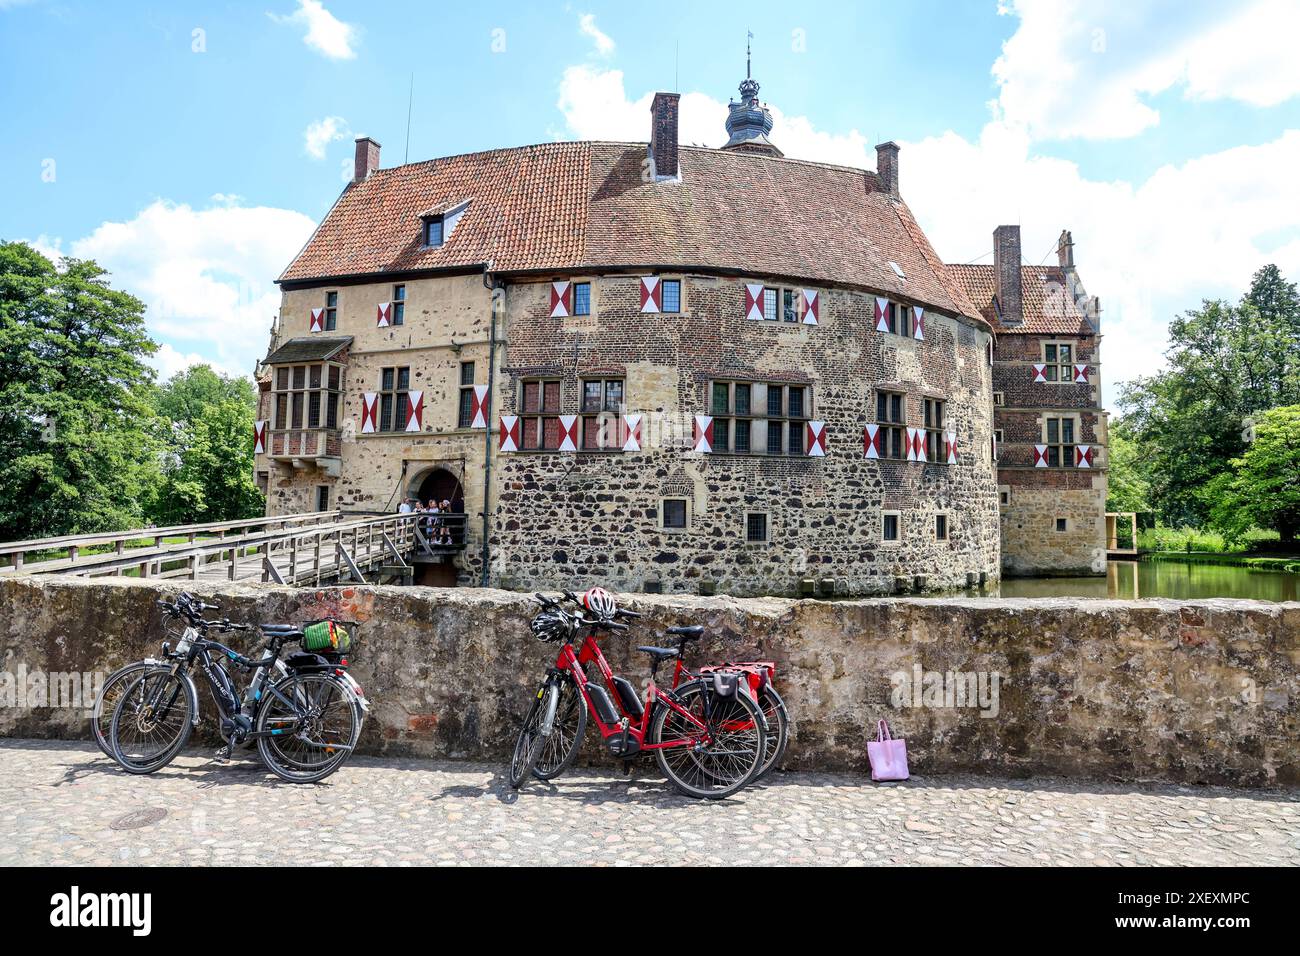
632	432
259	437
816	440
918	314
754	302
1040	373
568	433
950	447
1081	374
561	299
414	411
479	407
882	314
509	432
871	442
382	314
651	294
915	446
369	416
317	320
811	307
1083	456
703	438
1040	456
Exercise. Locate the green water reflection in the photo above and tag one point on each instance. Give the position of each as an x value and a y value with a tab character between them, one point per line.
1168	579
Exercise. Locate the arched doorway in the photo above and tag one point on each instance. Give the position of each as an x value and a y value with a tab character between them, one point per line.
439	484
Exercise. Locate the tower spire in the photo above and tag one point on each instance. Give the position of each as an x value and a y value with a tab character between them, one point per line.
748	120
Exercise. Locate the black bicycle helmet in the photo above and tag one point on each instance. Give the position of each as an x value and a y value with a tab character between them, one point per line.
551	625
600	603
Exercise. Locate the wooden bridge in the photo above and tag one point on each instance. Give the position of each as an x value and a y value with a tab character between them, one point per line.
307	549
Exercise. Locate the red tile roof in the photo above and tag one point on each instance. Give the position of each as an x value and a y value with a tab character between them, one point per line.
580	206
1049	307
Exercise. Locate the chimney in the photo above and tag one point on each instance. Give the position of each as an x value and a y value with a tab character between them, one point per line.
1006	263
367	158
663	135
887	167
1065	250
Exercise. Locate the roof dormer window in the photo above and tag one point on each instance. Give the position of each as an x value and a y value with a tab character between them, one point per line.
433	231
436	224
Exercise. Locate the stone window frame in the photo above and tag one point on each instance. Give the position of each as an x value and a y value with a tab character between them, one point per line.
999	399
1004	497
285	388
783	313
943	523
767	529
604	417
591	298
399	304
325	492
681	295
908	328
1052	368
996	450
542	415
331	314
892	431
1076	421
390	400
934	425
686	514
789	424
1061	525
894	542
465	395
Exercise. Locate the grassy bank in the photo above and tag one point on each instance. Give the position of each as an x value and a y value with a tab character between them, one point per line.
1291	564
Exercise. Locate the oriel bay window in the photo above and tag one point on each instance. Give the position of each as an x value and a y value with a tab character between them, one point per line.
393	401
602	403
540	410
891	414
1060	435
306	396
759	417
934	412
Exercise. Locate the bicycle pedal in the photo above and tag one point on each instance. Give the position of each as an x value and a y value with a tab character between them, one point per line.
222	755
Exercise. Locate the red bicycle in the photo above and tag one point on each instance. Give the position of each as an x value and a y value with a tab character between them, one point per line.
708	735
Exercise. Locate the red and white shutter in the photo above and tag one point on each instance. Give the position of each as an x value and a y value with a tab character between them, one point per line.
1040	456
632	432
369	412
568	433
652	294
479	417
1081	374
561	299
816	439
703	437
1040	373
259	437
882	314
509	432
918	316
811	307
414	411
317	320
871	442
913	444
950	447
1083	456
382	314
754	302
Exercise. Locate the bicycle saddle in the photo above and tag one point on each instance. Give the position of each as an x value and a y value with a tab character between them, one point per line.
688	632
659	653
281	630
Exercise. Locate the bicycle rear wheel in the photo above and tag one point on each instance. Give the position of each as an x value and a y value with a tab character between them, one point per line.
778	729
101	715
151	721
718	764
307	727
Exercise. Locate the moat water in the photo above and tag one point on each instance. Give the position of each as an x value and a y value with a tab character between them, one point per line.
1167	579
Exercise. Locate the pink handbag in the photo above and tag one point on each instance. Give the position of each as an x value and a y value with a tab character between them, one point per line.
888	756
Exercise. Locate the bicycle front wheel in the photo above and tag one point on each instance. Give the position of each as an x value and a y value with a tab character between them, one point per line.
715	762
151	721
567	728
531	742
307	727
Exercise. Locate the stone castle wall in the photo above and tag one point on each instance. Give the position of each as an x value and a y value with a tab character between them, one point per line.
1196	692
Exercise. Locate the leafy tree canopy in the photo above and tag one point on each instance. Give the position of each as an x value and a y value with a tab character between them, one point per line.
1263	490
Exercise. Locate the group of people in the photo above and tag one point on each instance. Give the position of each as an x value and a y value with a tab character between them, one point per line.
436	528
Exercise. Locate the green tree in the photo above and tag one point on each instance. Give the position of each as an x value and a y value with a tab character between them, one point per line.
76	428
1263	489
1128	487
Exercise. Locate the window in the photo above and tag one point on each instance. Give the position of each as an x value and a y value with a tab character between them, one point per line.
769	304
322	497
541	408
755	528
399	305
889	527
582	298
465	413
781	304
1062	524
671	294
1004	496
891	414
1058	357
331	311
790	305
393	401
898	317
997	443
1060	442
306	396
941	527
759	417
674	513
602	406
433	233
934	411
999	398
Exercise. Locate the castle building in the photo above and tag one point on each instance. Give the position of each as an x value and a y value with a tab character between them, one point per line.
1049	424
646	365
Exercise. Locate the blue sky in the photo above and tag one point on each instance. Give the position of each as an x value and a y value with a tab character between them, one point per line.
190	147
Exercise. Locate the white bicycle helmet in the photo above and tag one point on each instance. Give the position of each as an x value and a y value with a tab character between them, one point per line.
600	603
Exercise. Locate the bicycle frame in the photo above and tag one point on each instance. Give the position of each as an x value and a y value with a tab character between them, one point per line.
589	653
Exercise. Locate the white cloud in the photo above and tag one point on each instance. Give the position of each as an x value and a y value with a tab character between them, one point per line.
326	33
206	276
587	25
320	133
1075	69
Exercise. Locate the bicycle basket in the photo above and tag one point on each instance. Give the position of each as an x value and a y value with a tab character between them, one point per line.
329	636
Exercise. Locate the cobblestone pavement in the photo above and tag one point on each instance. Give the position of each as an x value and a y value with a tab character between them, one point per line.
60	802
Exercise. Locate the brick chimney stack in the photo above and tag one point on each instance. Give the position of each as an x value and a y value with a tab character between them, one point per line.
663	134
1065	250
1006	263
367	158
887	167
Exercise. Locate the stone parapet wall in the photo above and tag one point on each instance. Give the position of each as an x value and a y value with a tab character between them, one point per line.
1199	692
